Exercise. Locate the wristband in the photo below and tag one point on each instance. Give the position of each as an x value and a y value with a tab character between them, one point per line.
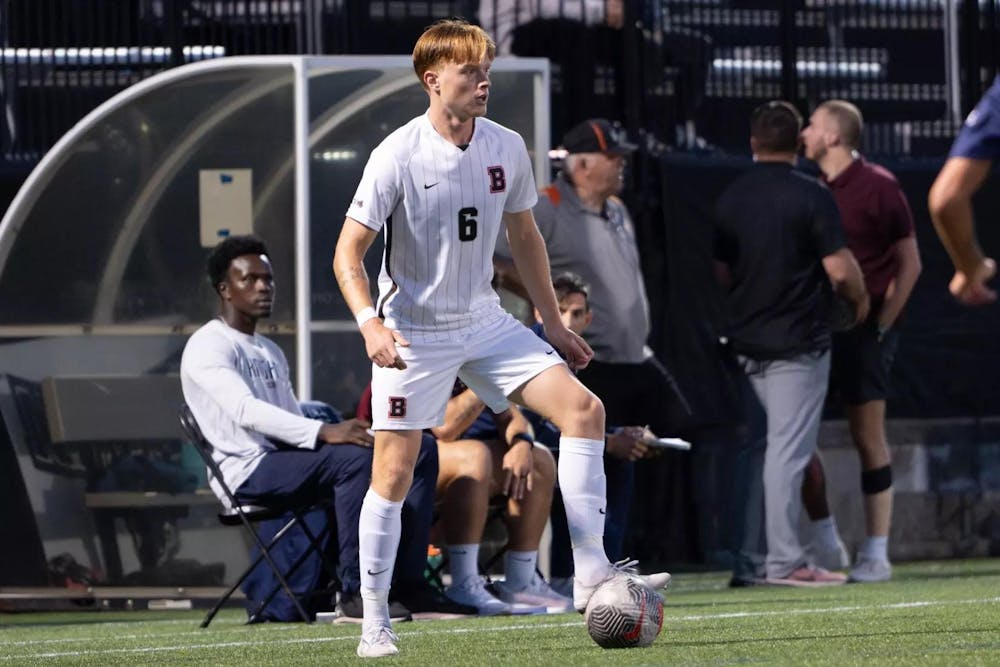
365	314
521	436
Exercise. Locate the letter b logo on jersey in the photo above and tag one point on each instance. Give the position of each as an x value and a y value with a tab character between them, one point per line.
498	180
397	407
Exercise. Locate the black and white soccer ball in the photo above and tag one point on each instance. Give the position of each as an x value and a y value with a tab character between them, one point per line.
624	612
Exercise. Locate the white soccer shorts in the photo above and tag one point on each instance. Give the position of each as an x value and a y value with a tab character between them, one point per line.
493	362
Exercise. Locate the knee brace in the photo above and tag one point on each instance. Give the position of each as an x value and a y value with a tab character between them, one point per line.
876	481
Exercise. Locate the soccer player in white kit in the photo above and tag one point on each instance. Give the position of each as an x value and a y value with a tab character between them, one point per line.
439	187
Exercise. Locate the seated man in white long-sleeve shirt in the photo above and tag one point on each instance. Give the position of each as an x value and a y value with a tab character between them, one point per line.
238	387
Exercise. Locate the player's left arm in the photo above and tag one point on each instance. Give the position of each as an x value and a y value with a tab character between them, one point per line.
908	259
528	250
900	220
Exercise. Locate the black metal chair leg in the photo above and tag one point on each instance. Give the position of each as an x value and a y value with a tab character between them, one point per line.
294	567
246	573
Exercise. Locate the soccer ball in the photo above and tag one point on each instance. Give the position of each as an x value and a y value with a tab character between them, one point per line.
624	612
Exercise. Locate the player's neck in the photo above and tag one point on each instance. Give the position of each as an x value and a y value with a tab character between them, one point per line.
240	321
452	128
835	162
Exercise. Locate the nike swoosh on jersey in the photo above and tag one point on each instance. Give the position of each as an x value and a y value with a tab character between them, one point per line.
375	574
428	187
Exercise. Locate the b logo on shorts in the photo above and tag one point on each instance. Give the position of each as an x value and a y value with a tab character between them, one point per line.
397	407
498	180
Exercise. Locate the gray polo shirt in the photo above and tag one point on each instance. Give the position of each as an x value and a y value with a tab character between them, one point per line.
600	248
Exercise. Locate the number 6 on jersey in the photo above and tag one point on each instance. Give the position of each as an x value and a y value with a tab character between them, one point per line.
468	227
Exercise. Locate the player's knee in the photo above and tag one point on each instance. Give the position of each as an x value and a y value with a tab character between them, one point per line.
544	466
876	481
587	414
394	474
579	413
468	460
479	462
475	462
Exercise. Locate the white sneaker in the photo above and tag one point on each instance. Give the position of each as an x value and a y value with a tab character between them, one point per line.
536	593
869	570
472	591
828	556
379	641
623	568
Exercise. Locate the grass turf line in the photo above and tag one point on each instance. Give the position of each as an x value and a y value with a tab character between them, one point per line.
940	613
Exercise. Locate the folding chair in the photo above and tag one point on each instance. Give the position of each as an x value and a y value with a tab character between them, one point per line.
247	515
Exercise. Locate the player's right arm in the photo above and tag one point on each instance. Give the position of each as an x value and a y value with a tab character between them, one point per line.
349	269
848	282
950	204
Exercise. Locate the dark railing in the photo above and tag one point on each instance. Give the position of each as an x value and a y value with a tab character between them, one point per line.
679	71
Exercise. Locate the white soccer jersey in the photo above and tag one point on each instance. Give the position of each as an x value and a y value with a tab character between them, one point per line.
442	209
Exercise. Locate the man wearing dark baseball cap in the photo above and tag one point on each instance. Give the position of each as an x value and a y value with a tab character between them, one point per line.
597	135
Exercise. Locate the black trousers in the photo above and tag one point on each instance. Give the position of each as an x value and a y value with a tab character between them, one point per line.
661	526
639	395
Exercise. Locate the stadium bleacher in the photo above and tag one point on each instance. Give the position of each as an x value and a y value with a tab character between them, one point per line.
892	57
888	57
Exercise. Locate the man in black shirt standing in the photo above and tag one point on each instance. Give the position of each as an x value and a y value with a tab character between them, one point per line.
780	246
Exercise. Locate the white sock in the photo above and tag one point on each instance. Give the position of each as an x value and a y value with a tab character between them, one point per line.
463	561
519	568
824	532
378	540
875	548
374	608
584	491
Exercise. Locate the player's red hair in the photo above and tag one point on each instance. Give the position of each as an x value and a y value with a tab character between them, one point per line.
451	41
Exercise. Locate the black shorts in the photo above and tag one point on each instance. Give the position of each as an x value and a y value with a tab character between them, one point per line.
861	364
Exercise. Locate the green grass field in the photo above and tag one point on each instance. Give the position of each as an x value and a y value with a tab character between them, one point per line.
940	613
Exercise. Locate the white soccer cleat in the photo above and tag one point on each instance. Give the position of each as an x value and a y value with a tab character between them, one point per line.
472	592
657	580
537	593
378	642
623	568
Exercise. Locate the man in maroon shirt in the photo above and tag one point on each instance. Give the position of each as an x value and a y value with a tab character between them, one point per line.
879	230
